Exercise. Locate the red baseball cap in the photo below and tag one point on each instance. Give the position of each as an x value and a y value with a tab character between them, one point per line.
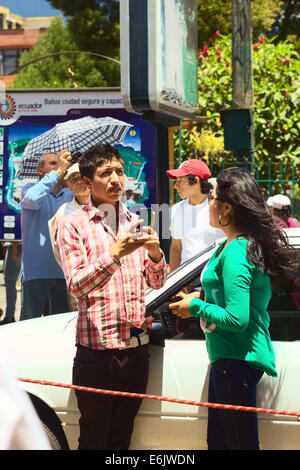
191	167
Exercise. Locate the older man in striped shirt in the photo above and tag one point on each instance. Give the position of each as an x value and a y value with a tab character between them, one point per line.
106	263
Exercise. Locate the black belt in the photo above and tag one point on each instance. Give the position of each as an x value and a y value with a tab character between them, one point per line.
135	331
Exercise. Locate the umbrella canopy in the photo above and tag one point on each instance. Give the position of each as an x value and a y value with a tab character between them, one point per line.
76	135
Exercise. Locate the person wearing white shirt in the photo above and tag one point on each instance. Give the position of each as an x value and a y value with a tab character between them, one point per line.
190	228
81	196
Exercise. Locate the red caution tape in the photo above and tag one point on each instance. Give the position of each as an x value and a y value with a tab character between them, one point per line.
172	400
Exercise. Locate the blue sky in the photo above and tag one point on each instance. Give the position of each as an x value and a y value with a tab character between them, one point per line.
30	8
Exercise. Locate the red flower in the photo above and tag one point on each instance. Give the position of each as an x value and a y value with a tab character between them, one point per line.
261	39
205	50
256	47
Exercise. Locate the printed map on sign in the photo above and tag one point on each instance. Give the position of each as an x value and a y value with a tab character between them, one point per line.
25	116
136	190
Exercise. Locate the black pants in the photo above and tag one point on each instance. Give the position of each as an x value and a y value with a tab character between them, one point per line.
107	421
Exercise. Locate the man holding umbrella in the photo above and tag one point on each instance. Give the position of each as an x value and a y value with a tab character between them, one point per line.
43	280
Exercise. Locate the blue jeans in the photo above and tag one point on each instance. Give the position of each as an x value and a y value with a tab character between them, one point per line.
11	274
232	382
37	292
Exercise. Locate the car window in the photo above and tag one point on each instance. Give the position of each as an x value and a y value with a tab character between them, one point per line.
284	310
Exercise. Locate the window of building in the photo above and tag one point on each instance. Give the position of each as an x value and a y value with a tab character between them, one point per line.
9	60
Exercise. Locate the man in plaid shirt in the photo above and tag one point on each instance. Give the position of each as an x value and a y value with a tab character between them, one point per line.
106	261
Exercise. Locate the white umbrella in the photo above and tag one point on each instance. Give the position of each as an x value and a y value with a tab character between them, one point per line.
76	135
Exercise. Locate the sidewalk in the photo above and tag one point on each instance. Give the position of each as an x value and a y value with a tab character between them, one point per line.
3	299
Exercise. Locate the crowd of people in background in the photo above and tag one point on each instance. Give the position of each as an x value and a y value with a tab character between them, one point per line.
52	200
78	254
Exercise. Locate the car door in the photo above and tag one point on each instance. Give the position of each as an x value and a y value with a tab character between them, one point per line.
178	369
282	393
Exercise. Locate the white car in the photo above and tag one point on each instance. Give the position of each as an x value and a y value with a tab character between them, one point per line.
43	349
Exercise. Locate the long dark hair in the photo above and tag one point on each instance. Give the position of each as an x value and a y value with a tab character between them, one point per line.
268	248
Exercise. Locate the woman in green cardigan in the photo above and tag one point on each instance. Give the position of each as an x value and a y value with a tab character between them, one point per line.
237	287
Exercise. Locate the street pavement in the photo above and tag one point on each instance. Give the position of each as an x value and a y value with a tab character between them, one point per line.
3	299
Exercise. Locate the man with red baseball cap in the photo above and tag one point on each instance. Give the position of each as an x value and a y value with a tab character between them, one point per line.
190	228
191	167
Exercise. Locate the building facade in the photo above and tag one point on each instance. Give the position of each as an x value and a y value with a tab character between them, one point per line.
17	34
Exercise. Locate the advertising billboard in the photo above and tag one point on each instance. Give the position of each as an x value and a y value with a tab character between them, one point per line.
25	115
159	56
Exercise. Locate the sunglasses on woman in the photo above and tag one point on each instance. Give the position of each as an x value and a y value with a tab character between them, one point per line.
210	197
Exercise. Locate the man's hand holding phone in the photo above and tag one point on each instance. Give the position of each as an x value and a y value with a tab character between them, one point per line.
138	235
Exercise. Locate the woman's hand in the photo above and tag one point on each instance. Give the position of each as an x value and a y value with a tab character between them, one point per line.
181	308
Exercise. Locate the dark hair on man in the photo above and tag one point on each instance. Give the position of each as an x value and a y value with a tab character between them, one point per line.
268	248
75	157
204	185
95	156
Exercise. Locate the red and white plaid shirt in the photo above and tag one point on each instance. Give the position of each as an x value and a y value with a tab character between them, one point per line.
111	296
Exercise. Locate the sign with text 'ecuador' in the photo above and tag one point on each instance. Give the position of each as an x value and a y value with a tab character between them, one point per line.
25	115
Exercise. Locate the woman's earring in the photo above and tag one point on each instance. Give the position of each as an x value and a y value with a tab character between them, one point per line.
229	220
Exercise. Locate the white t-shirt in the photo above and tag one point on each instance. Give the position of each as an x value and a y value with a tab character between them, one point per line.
65	209
190	224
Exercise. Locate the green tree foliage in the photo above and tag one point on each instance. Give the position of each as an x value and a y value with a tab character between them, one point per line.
288	23
63	71
94	26
216	14
276	83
